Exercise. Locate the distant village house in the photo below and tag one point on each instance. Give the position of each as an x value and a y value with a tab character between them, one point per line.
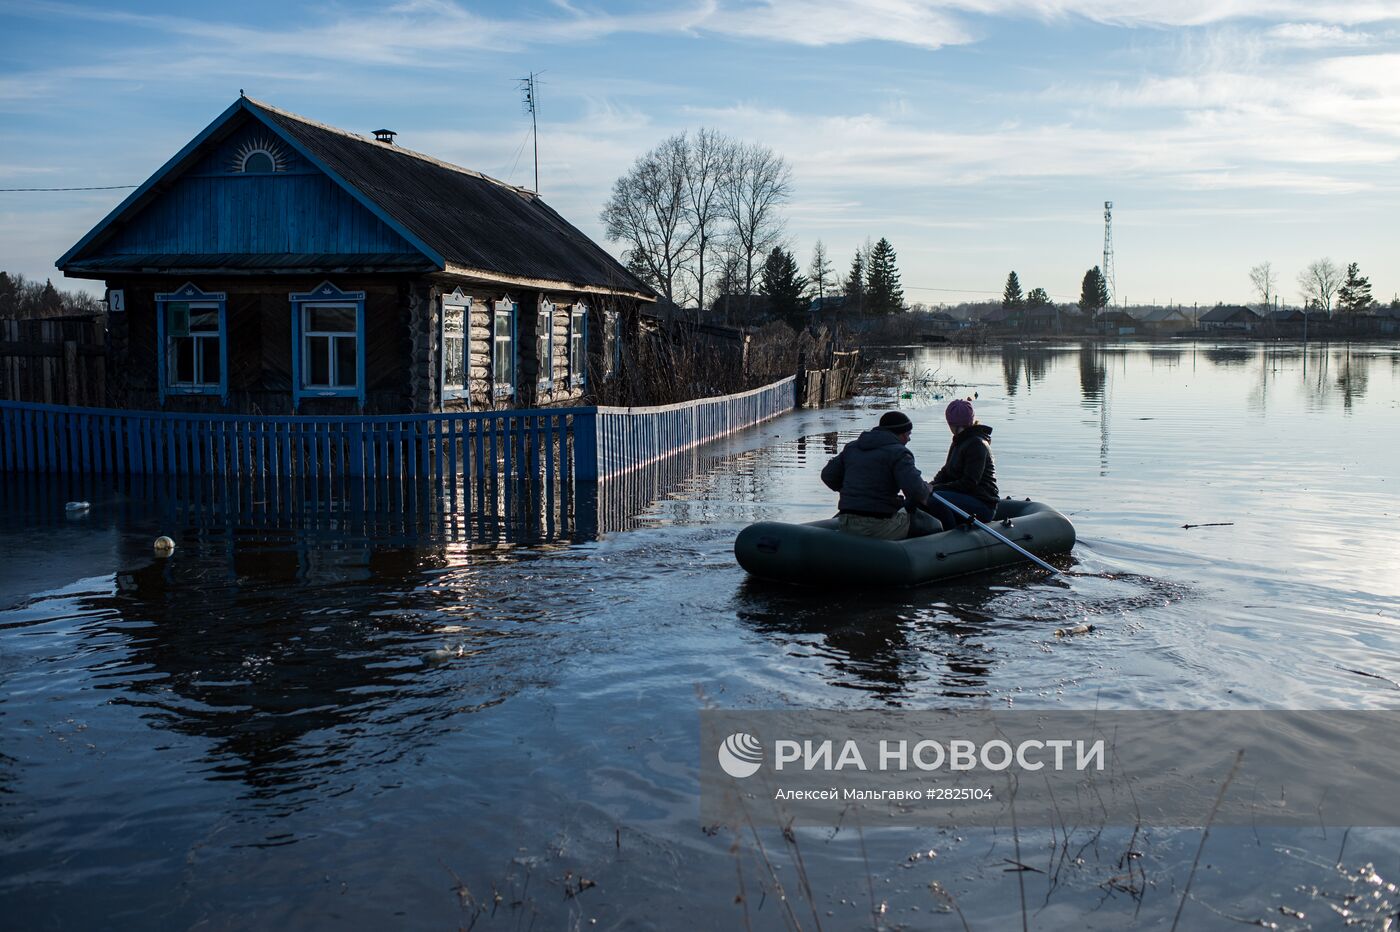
1230	317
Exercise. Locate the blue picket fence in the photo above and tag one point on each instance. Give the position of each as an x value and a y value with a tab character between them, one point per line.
544	445
58	439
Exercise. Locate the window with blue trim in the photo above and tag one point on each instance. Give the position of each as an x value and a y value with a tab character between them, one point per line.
330	341
578	344
193	342
328	358
503	348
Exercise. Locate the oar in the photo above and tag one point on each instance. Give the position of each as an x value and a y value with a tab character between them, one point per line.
998	535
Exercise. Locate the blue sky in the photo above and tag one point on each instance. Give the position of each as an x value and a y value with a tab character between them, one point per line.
979	136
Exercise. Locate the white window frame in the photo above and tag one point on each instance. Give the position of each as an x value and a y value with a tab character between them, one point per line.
507	308
196	385
335	385
459	306
544	345
612	328
578	334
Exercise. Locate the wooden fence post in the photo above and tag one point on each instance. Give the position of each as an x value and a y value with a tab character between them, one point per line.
70	372
585	431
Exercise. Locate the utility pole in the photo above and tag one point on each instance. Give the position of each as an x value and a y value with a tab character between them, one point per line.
531	101
1108	272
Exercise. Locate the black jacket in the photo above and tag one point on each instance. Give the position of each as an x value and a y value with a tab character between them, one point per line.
969	468
870	472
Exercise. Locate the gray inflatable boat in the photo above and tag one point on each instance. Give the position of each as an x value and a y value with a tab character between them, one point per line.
819	554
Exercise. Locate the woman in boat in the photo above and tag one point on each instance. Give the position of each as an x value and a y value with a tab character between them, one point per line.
968	478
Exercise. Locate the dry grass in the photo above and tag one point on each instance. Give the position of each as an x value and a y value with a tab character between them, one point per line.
678	363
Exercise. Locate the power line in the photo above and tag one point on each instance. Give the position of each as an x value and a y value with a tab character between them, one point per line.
980	291
103	187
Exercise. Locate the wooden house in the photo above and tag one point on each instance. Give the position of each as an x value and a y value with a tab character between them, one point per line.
1230	317
1112	321
1002	318
1388	319
1166	320
1043	318
279	265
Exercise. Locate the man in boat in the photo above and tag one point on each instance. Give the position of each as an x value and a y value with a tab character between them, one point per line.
870	472
968	478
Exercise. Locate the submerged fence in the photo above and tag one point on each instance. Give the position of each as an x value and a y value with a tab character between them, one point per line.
630	438
543	445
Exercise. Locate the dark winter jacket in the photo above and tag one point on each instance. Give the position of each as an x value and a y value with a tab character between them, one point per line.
969	468
871	471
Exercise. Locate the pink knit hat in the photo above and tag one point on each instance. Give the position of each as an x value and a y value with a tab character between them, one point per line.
959	413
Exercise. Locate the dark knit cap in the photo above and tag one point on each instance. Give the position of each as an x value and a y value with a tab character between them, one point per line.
896	421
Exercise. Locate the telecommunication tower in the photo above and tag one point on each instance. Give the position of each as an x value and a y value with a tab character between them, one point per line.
1108	277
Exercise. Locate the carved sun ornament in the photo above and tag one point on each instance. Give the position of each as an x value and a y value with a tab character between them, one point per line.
260	156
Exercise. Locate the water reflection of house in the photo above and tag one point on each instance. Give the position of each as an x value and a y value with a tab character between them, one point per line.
1165	320
278	264
1230	317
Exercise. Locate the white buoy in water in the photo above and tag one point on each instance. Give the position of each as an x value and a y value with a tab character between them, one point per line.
164	546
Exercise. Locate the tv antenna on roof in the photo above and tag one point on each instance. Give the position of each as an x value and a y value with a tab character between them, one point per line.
530	98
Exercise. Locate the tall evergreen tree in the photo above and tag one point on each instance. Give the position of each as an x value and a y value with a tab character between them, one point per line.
1355	294
882	280
855	284
1011	297
1093	295
784	287
9	295
50	302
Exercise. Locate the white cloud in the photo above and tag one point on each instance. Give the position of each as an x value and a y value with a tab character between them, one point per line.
410	32
1316	36
833	22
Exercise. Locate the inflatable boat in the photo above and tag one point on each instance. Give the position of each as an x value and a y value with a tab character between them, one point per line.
819	554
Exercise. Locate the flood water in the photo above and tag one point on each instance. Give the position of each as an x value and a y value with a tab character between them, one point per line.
327	724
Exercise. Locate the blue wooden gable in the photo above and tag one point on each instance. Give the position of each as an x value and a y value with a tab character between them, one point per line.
242	195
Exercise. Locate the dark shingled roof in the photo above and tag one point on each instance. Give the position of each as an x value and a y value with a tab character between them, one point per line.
473	221
1160	315
1227	312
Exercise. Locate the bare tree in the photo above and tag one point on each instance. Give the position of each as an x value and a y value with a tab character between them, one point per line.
758	182
707	165
730	266
1264	281
820	273
647	212
1319	282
